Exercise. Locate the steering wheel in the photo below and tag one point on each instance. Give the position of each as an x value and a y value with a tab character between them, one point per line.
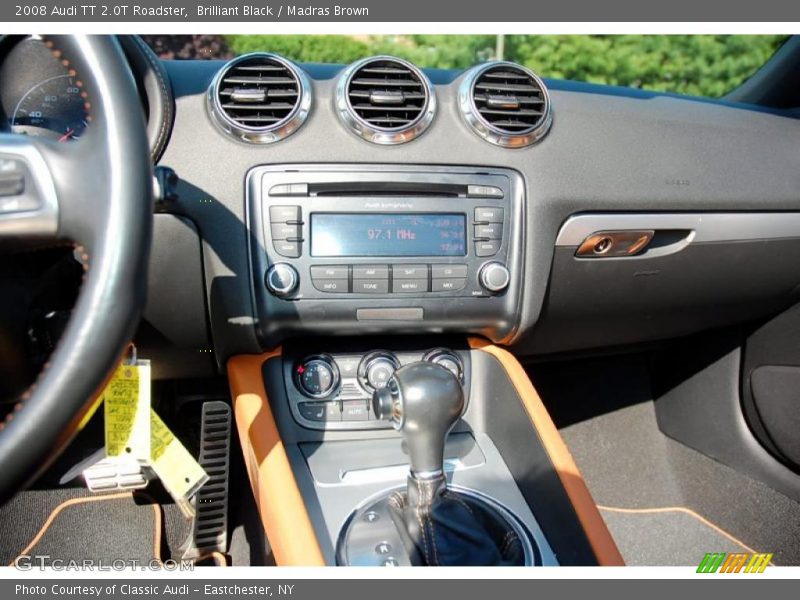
96	192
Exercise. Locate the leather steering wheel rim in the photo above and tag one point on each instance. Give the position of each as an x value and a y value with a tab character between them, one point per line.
97	193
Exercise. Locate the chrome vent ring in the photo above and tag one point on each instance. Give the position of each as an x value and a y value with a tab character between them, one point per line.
506	104
259	98
385	100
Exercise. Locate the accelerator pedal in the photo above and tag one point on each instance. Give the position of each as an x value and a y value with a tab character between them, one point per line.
209	534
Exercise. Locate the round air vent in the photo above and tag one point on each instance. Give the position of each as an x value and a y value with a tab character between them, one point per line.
259	98
385	100
506	104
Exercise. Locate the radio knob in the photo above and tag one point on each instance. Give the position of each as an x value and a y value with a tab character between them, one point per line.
282	279
494	277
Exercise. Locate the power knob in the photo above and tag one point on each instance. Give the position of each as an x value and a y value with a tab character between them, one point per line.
281	280
494	277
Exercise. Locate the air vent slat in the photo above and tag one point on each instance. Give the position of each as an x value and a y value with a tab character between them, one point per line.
383	108
506	87
260	81
271	106
375	82
506	104
258	94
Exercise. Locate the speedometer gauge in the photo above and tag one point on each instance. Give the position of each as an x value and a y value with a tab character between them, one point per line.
54	107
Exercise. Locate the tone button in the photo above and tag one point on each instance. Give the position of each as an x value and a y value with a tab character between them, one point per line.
370	286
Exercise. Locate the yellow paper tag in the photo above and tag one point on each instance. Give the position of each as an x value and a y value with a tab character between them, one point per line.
177	469
127	412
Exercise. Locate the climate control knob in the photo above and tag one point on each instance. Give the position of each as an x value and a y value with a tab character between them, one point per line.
376	369
317	376
282	279
494	277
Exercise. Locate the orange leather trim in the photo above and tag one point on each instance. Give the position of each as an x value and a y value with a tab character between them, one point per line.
589	516
283	512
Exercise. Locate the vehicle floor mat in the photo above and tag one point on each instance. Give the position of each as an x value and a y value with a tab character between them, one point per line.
73	525
667	536
629	464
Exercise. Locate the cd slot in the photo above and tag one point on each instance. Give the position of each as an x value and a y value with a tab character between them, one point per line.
387	188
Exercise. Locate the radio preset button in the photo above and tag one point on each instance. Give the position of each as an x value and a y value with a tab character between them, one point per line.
410	271
287	248
371	272
328	272
488	214
406	286
285	214
487	248
330	285
440	271
448	285
370	286
286	231
492	231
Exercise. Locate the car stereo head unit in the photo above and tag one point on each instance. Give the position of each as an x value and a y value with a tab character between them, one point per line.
385	248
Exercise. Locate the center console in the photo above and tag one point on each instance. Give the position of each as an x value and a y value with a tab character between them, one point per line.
380	430
351	249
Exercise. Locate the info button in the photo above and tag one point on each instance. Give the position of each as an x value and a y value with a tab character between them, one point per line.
330	285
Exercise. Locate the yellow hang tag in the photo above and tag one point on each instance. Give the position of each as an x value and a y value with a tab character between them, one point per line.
177	469
127	412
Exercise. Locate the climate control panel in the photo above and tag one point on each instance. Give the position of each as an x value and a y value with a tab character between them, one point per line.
334	390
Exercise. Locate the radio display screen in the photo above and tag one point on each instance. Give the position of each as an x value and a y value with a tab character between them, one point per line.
388	234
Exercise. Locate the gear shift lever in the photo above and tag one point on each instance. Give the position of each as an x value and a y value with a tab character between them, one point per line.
423	401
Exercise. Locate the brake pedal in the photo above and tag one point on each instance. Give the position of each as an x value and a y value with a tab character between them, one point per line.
210	528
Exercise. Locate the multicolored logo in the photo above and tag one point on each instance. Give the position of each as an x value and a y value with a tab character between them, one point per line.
721	562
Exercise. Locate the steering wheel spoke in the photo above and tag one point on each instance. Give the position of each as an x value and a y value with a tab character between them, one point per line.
28	199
